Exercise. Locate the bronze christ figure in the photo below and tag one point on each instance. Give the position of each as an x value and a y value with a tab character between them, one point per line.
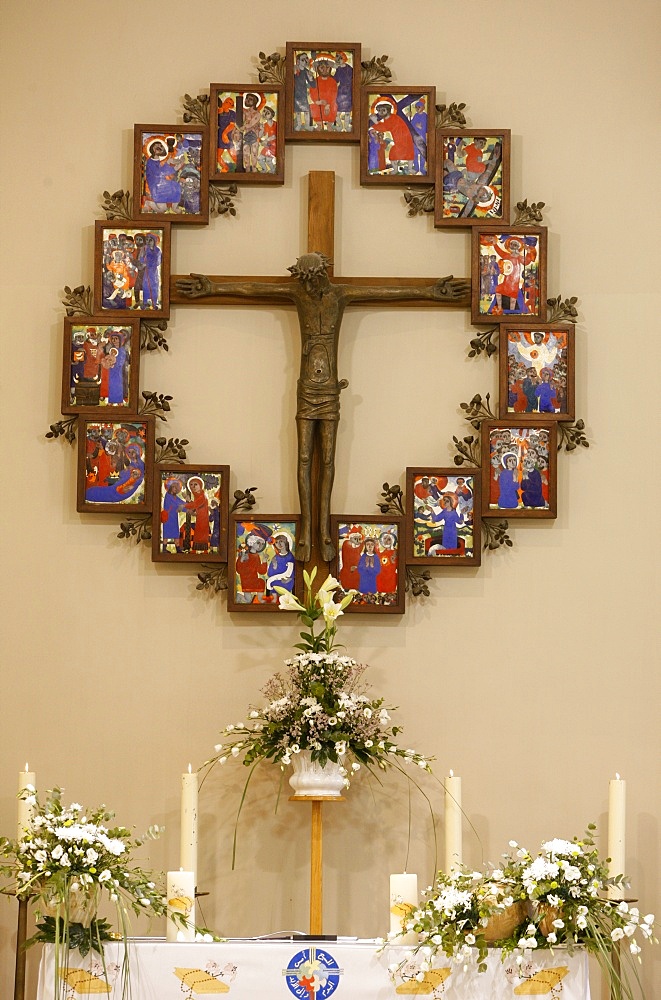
320	304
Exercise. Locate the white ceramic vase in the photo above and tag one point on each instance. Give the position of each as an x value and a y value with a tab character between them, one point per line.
81	909
310	778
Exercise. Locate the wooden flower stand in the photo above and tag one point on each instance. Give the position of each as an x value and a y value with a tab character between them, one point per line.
316	856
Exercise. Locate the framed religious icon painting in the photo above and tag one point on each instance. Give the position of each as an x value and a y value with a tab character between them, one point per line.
115	461
260	558
472	177
132	269
537	371
443	517
322	95
369	561
100	367
170	173
190	513
246	134
397	144
508	269
519	468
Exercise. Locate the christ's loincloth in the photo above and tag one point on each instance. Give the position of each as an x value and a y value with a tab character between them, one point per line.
319	402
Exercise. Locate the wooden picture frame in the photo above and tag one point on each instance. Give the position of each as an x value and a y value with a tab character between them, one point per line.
256	560
170	174
100	366
132	267
397	143
508	271
190	507
115	464
537	371
322	92
443	516
377	576
246	134
472	177
519	468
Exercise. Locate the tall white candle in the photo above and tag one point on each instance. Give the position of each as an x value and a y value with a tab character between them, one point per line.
617	819
180	888
403	900
453	842
188	851
26	781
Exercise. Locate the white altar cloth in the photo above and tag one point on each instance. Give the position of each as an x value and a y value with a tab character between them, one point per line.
282	970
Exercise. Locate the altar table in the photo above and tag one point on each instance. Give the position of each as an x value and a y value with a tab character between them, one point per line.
309	970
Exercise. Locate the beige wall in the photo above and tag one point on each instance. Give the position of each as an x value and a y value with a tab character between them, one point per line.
535	678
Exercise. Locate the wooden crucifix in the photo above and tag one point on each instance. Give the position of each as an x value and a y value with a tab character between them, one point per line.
320	301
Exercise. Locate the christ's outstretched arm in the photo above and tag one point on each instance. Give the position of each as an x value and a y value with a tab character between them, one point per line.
198	286
448	289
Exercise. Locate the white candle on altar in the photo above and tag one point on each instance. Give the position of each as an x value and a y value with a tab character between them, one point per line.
26	781
453	843
617	801
188	849
403	900
180	899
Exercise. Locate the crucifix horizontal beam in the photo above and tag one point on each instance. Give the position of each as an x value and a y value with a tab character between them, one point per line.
177	298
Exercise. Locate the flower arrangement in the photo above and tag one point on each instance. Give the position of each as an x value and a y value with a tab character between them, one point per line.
564	890
567	888
456	914
67	861
320	704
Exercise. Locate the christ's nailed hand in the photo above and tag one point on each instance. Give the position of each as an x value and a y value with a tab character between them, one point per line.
195	286
452	288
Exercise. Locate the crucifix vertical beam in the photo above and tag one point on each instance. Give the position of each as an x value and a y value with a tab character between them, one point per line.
321	213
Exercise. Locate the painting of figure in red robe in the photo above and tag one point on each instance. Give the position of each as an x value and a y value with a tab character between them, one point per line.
261	558
369	562
190	504
323	87
115	462
397	136
508	274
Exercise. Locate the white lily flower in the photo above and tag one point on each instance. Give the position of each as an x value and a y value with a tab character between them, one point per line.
287	601
328	586
331	611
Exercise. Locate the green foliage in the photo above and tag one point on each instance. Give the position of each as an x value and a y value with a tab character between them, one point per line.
82	938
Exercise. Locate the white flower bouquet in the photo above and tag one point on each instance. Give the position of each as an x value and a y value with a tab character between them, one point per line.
565	891
67	862
320	704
